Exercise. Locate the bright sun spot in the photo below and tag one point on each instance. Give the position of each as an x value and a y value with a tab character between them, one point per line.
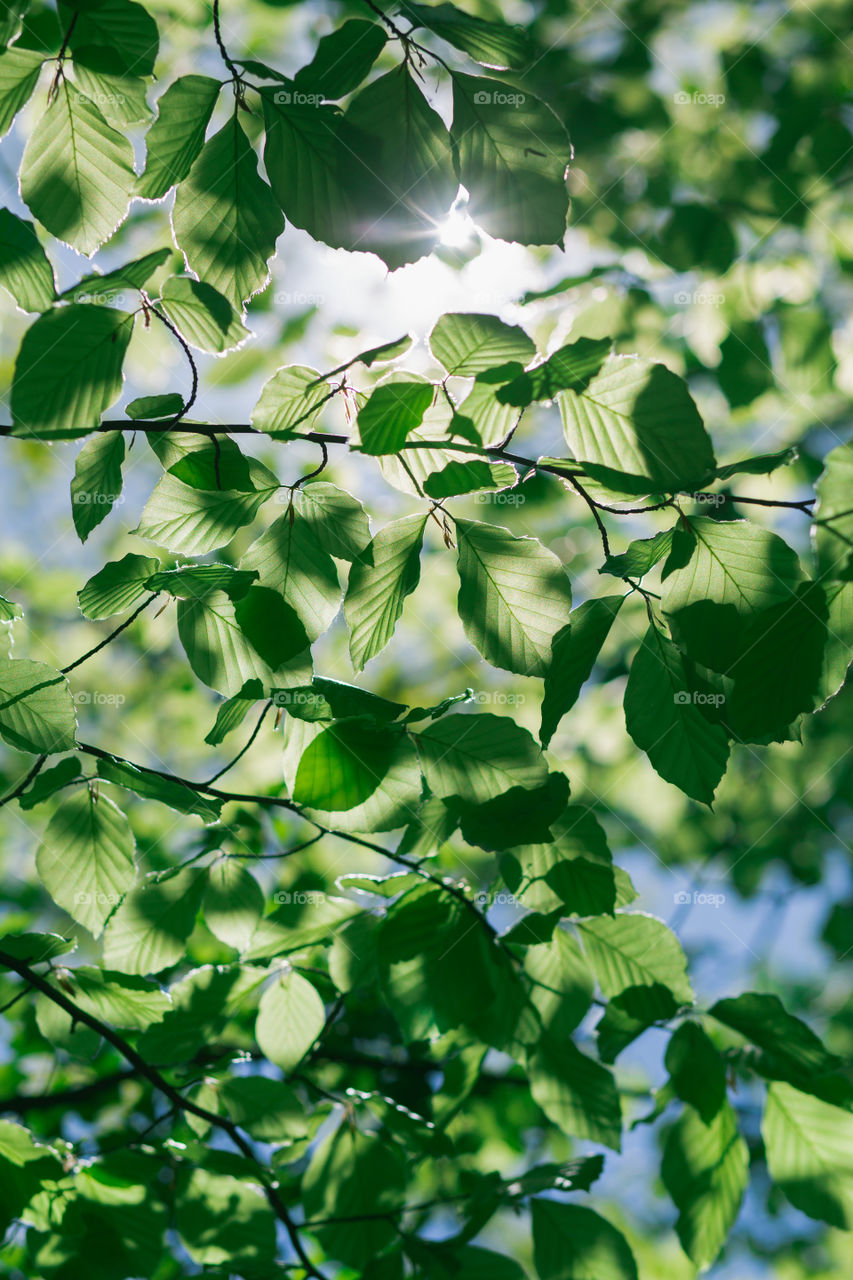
457	229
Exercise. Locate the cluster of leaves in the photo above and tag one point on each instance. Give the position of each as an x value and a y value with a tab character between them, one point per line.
343	1060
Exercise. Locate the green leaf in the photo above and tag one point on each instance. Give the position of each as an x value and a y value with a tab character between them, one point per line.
122	98
224	1221
512	153
268	1110
24	267
479	757
342	59
150	786
36	947
635	950
149	930
514	596
19	75
666	722
352	1175
391	413
97	481
697	235
120	584
761	464
790	1050
635	428
574	650
780	671
197	580
291	396
393	804
195	521
68	370
338	522
493	44
401	181
569	369
805	346
290	1018
36	708
514	818
697	1070
9	611
573	874
112	284
225	219
177	135
576	1093
233	712
202	315
705	1169
629	1014
385	573
571	1242
809	1146
221	646
468	344
744	371
426	939
640	557
719	575
146	408
233	902
833	524
289	560
562	984
118	999
124	27
343	766
77	172
469	477
49	781
86	858
306	138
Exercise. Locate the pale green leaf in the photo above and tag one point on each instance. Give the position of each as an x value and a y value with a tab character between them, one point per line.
468	344
571	1242
120	584
705	1169
289	559
19	74
24	267
149	930
574	650
202	315
77	172
478	757
225	219
86	858
291	396
385	573
69	370
233	902
97	481
576	1093
36	708
635	428
338	522
290	1018
809	1146
512	154
177	135
514	596
635	950
664	716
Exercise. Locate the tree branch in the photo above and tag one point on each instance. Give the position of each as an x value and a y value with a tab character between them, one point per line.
154	1077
